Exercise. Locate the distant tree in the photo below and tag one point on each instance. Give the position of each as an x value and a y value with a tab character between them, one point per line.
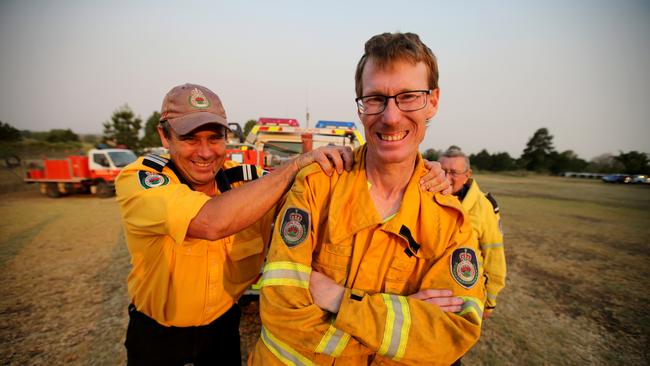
496	162
503	162
605	163
567	161
537	154
431	155
481	161
60	135
90	138
634	162
249	126
123	128
9	132
151	138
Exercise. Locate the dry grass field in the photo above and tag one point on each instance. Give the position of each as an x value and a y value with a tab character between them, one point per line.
578	255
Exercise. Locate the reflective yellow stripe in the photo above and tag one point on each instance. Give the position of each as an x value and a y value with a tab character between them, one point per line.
472	309
396	330
282	351
286	274
333	342
491	246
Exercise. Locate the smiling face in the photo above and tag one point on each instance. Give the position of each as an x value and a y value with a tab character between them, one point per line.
394	136
198	155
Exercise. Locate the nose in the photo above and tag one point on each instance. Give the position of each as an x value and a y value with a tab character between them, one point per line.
204	150
391	113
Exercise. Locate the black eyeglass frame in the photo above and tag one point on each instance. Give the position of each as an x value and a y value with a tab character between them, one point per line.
360	107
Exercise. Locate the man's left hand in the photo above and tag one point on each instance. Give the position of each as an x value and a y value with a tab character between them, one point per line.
435	179
326	293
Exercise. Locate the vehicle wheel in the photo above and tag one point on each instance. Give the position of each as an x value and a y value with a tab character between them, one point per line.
52	190
104	190
12	161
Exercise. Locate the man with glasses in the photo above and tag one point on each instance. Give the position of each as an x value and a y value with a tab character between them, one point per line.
364	267
486	223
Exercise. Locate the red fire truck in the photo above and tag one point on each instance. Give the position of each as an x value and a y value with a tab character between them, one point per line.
94	173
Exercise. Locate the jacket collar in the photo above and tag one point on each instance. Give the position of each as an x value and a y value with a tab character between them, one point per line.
353	210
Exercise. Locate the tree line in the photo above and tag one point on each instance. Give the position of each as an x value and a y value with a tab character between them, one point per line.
540	156
123	129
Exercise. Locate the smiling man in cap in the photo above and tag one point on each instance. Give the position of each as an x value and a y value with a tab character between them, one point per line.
196	233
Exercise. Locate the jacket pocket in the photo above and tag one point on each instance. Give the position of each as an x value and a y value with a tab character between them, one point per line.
398	275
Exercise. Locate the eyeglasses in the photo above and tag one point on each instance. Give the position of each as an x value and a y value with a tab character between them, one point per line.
407	101
454	173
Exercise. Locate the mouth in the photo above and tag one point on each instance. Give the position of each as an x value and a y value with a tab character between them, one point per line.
391	137
202	164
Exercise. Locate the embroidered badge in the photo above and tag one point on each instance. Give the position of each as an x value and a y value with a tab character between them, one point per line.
464	267
295	226
152	180
198	100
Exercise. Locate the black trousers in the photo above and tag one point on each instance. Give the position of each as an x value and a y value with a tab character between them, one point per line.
149	343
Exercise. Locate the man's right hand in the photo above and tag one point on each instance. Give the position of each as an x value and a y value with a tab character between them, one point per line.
443	299
329	158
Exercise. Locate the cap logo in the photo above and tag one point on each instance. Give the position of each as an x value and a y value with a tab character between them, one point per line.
198	100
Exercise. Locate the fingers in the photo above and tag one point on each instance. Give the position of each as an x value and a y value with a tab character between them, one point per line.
435	179
321	158
348	157
330	158
431	293
451	309
440	298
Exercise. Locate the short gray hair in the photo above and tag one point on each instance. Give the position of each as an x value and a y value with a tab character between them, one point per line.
455	152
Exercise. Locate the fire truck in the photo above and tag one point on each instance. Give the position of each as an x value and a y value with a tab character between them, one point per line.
93	173
272	141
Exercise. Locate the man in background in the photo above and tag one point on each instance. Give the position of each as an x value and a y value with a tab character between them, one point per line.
486	223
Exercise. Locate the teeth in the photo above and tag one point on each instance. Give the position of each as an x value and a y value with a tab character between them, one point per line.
393	137
201	164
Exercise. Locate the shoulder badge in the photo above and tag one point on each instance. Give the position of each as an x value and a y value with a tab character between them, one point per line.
494	203
152	180
464	267
155	162
295	226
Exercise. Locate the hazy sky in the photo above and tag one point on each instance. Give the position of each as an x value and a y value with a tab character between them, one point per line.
507	68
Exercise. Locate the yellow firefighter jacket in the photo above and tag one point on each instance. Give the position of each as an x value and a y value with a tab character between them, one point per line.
484	215
177	280
329	224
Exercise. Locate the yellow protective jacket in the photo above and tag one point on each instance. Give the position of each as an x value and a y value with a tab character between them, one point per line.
177	280
330	224
486	223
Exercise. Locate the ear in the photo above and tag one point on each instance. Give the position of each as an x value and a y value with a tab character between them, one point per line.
432	106
469	173
163	139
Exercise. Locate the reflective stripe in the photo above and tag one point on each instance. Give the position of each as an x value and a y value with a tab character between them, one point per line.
282	351
472	309
396	330
333	342
286	274
492	246
491	296
157	159
246	172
